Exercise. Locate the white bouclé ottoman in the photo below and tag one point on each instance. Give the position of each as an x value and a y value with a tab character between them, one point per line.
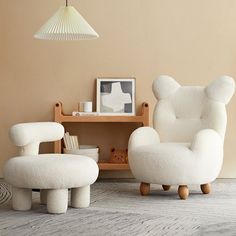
53	174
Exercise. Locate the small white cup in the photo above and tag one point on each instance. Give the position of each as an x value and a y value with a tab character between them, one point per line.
86	106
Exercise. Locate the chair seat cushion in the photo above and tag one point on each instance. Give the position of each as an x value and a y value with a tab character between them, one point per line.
170	163
51	171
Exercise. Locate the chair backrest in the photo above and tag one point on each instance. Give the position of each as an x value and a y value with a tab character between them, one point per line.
182	111
28	136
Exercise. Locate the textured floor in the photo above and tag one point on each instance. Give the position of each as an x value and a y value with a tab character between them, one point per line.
5	193
118	209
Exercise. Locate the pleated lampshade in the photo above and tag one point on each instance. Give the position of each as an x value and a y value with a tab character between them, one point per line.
66	24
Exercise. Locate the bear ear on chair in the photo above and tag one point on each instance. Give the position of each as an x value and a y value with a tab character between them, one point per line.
221	89
164	86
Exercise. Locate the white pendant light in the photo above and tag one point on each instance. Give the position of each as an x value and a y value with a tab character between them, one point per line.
66	24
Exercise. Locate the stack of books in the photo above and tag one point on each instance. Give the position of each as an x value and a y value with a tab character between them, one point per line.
78	113
71	142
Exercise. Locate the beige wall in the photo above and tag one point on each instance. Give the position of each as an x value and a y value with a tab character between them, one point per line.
194	41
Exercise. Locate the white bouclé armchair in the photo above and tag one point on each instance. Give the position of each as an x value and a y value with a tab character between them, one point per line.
186	144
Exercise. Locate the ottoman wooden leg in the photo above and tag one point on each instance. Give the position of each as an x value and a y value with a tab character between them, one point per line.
21	199
166	187
183	192
206	188
144	189
43	196
57	200
80	197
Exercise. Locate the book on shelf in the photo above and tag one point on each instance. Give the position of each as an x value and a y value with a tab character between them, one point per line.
78	113
71	142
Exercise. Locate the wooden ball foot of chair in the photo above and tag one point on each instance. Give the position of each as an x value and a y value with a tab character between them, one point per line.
144	189
206	188
183	192
166	187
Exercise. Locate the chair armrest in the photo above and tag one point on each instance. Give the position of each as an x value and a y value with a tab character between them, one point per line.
207	140
207	147
143	136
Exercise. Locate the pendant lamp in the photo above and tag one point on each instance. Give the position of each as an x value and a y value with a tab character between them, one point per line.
66	24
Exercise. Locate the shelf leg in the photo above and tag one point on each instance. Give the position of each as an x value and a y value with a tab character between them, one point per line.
57	146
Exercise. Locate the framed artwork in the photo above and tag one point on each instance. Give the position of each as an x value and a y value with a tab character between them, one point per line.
116	96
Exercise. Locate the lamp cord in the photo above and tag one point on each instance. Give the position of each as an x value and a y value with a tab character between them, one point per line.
66	3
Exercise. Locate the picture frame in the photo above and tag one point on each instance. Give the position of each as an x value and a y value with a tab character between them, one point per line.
116	96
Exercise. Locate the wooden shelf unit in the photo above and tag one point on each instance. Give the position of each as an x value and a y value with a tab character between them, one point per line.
112	166
60	117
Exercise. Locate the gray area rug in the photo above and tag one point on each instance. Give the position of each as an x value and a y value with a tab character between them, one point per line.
118	209
5	193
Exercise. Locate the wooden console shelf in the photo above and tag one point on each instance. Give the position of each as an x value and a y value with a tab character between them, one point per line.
60	117
112	166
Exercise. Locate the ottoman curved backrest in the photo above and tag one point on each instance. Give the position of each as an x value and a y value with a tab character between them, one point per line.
28	136
182	111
